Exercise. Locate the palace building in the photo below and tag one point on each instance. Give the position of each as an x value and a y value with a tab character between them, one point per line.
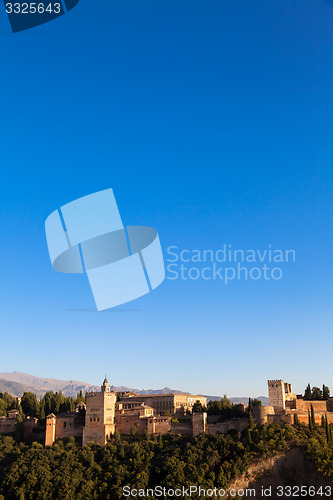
107	412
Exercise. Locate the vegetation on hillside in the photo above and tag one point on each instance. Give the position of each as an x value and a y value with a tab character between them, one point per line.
67	471
29	405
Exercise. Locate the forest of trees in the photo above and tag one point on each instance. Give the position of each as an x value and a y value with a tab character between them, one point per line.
227	410
316	393
51	402
66	471
7	402
56	402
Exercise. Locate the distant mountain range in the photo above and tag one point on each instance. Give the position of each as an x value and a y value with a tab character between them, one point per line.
16	383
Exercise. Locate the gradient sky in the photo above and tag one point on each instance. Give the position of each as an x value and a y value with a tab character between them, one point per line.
212	121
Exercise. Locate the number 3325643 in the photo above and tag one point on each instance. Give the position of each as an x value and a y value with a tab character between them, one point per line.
33	8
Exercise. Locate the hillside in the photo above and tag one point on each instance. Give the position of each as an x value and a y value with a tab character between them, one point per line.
16	383
13	388
269	457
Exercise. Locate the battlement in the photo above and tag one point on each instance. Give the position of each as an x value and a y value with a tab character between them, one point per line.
279	392
277	396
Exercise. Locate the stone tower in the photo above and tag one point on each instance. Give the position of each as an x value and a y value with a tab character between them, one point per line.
199	423
50	429
100	413
277	396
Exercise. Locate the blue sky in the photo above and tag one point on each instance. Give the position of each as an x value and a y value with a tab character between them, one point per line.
212	121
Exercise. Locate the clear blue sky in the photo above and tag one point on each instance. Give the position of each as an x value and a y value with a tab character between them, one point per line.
212	121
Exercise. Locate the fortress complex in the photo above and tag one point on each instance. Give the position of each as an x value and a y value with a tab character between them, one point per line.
285	405
107	412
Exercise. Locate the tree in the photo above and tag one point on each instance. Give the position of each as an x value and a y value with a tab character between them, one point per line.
225	402
251	421
20	415
214	408
316	393
328	431
30	405
133	431
310	421
80	398
249	436
326	392
308	393
197	407
42	411
313	420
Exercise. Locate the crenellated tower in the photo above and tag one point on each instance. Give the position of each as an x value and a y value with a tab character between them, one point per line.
276	393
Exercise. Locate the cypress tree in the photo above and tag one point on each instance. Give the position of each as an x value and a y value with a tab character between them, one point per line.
249	436
313	416
310	421
308	393
249	408
326	392
327	430
329	436
42	412
251	421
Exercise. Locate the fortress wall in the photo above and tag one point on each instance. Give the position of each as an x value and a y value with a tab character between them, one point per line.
67	427
303	417
30	425
150	424
182	427
276	419
303	405
162	426
7	425
226	426
260	414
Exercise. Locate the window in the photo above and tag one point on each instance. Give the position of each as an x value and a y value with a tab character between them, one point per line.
65	423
